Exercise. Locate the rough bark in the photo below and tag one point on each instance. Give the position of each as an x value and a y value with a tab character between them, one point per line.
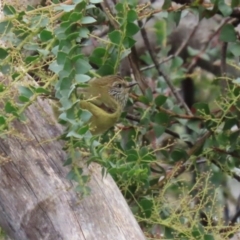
36	199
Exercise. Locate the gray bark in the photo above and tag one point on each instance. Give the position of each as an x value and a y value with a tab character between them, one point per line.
36	199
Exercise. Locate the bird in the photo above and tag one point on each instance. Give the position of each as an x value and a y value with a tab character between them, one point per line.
105	98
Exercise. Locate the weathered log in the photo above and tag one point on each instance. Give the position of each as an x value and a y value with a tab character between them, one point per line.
36	199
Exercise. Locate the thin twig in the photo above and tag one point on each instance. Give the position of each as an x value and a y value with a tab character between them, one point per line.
231	224
168	131
204	48
160	72
184	44
234	218
227	171
133	60
173	114
177	53
107	10
159	63
183	166
233	154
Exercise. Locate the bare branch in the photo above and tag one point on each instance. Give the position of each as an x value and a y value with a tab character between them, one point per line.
160	72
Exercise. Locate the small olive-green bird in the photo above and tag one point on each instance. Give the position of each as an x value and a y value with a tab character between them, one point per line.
105	98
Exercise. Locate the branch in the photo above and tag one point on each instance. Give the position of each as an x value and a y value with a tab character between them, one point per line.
177	53
133	59
204	48
181	166
168	81
227	171
168	131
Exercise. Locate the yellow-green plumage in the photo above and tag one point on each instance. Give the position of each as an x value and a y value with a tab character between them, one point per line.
105	98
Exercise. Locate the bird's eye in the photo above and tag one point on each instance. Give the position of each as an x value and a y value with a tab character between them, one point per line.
119	85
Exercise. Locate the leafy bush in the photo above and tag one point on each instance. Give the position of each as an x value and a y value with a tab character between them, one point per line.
174	179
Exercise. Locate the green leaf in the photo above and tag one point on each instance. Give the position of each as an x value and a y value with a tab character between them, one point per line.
119	7
82	66
198	231
131	16
64	7
125	53
30	59
83	130
68	162
202	108
224	8
235	49
25	91
2	120
160	100
88	20
65	84
176	16
43	52
179	154
71	175
208	237
161	32
229	123
82	78
46	35
54	67
61	57
106	69
132	155
73	28
146	206
9	10
23	99
161	118
72	36
195	52
169	233
83	32
115	37
5	69
228	34
75	16
3	53
9	108
96	1
194	125
5	27
158	130
80	5
42	90
176	63
66	103
2	87
75	52
85	115
31	46
98	56
143	99
128	42
167	4
131	29
149	94
235	3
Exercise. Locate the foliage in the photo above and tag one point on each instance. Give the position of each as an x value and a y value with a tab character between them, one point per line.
44	57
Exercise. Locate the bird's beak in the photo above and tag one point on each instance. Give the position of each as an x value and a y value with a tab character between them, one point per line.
131	84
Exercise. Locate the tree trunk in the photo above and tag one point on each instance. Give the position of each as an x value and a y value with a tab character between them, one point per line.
36	199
